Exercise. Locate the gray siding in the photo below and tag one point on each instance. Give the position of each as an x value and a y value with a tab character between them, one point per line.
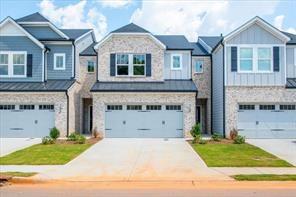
59	74
291	67
43	32
185	73
218	91
254	35
22	43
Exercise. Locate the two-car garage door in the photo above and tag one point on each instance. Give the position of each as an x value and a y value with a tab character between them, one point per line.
267	121
19	121
144	121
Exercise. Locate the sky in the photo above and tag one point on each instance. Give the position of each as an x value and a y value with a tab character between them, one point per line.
187	17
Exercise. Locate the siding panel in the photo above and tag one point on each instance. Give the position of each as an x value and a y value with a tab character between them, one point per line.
291	67
185	73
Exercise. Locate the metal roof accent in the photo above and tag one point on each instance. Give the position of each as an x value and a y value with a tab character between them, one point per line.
35	17
291	83
175	42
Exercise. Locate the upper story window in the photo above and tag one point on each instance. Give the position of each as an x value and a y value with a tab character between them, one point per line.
90	66
59	61
13	64
122	64
246	59
264	59
130	64
139	65
176	61
198	66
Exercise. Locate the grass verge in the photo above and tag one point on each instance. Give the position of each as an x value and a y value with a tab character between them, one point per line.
18	174
265	177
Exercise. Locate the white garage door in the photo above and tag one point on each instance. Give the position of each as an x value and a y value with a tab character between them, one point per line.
19	121
267	121
144	121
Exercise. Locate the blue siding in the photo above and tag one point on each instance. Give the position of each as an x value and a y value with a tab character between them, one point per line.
43	32
59	74
22	43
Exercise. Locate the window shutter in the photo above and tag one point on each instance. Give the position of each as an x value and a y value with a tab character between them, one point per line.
112	64
233	59
29	65
276	59
148	65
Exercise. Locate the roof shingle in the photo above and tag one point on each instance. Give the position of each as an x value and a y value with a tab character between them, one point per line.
35	17
130	28
175	42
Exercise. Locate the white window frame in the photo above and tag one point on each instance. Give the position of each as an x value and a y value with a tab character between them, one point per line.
271	59
130	65
239	59
116	65
10	64
55	58
295	56
202	68
132	74
172	62
87	66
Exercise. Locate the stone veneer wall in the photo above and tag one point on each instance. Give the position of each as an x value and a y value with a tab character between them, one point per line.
130	44
236	95
74	107
186	99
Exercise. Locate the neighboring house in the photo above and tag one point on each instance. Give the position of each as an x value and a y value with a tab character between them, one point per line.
39	76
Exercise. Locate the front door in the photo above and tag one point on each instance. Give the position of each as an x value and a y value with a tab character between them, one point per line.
90	118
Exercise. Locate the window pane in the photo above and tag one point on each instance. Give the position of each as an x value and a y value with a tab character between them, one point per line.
139	70
198	66
264	53
18	59
59	61
122	70
18	70
139	59
122	58
264	65
3	58
90	66
246	53
3	69
176	61
246	65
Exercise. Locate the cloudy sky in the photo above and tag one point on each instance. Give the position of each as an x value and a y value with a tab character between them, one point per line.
191	18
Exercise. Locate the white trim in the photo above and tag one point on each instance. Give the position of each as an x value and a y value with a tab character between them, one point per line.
64	61
73	59
10	64
134	34
43	50
204	44
295	56
130	65
83	35
261	23
172	58
8	19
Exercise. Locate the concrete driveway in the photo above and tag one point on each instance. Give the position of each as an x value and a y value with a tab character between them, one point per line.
9	145
136	160
282	148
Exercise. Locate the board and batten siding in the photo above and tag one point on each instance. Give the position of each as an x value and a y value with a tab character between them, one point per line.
184	73
291	62
59	74
218	91
42	32
23	43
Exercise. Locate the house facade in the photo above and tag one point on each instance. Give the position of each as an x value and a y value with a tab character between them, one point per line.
134	84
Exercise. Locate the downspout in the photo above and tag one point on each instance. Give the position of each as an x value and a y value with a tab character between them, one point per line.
45	63
74	59
211	95
68	117
97	65
224	135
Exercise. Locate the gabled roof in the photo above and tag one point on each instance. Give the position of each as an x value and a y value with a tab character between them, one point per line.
291	36
211	41
35	17
130	28
89	51
175	42
198	49
75	33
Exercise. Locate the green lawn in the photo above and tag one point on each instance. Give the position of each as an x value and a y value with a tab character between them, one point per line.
237	155
265	177
18	174
53	154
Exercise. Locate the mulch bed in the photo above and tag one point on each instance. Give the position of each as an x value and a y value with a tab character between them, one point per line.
222	141
88	141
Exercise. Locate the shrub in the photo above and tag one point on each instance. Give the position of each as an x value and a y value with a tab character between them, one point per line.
239	139
201	141
47	140
233	134
54	133
216	137
81	139
73	137
196	133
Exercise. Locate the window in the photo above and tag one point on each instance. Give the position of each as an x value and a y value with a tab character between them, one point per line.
173	107
264	59
246	59
267	107
46	107
59	61
153	107
27	107
287	107
199	66
176	61
246	107
13	63
114	107
122	62
134	107
139	65
295	56
90	66
7	107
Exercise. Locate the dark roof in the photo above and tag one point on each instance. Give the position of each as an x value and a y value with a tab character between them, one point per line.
198	49
36	17
49	86
75	33
165	86
291	83
130	28
174	42
89	51
211	41
291	36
